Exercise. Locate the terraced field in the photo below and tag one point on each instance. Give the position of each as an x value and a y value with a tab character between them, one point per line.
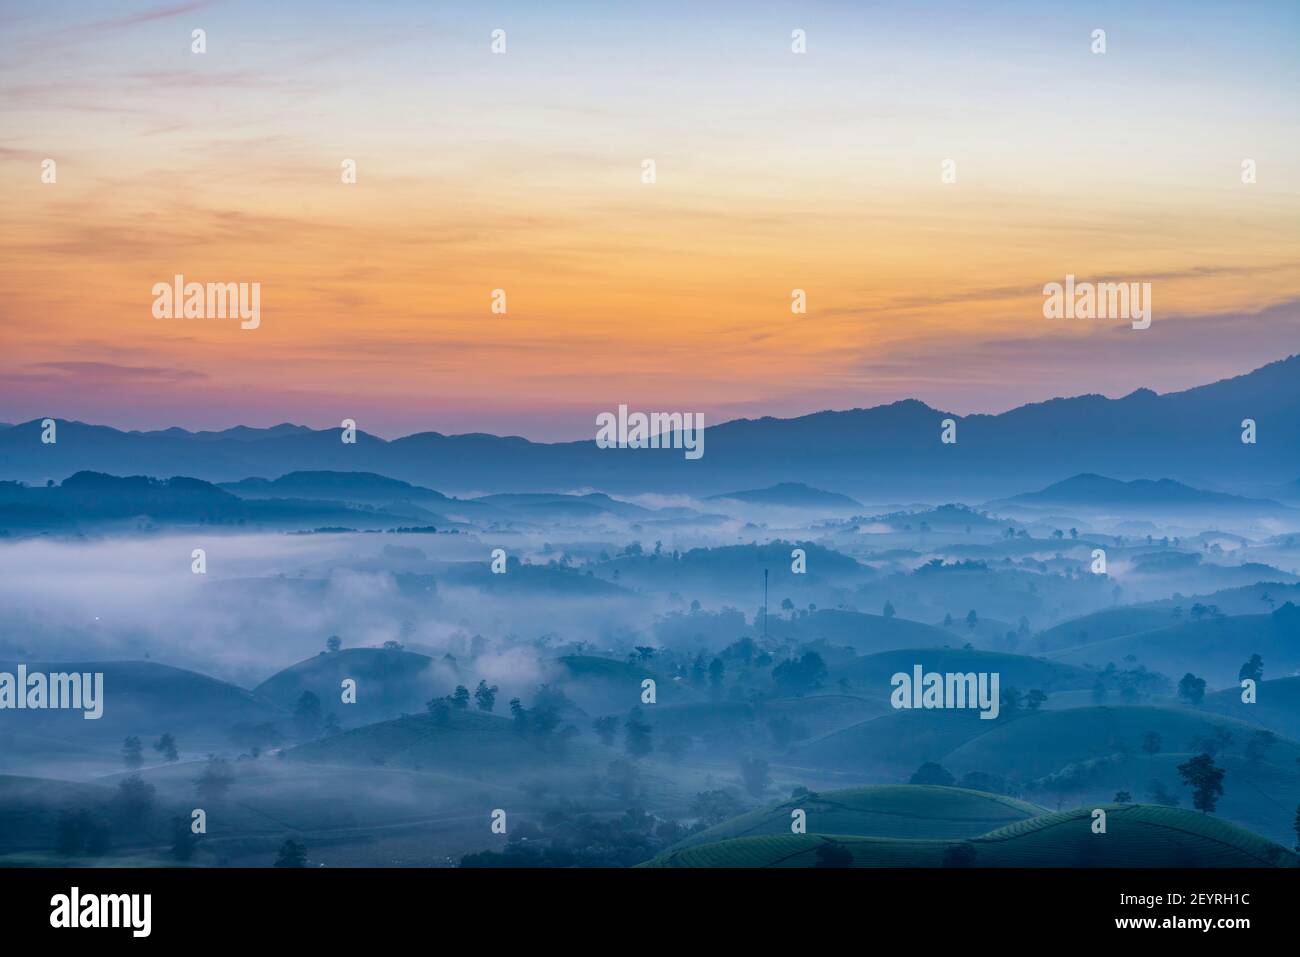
1136	836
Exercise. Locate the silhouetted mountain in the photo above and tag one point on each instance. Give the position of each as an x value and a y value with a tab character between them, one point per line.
790	495
89	498
1192	437
1097	491
338	486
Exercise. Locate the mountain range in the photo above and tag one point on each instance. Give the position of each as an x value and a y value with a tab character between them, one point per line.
1193	436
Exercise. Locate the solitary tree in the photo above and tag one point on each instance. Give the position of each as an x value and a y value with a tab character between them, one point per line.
333	643
485	697
166	746
307	715
605	729
1191	689
833	855
1253	669
1205	779
932	773
133	800
292	854
636	734
1151	745
971	619
183	839
215	780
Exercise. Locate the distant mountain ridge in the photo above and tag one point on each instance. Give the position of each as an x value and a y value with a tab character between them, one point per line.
790	495
1192	436
1099	491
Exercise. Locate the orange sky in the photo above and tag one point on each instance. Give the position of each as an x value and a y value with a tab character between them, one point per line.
523	172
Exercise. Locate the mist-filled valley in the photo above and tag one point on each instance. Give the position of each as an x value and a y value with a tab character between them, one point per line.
336	668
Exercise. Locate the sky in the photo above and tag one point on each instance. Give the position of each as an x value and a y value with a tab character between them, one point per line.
523	171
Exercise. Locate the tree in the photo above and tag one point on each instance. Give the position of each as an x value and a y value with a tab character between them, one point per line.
485	697
292	854
932	773
1151	745
183	839
1123	797
166	746
1206	781
333	643
716	673
1160	795
1258	745
132	755
800	675
1035	699
636	734
833	855
307	715
947	620
133	800
888	610
714	807
1253	669
215	780
1191	689
460	698
519	715
440	708
787	605
605	729
754	774
971	619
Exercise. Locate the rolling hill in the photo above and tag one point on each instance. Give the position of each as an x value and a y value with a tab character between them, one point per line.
1136	836
896	811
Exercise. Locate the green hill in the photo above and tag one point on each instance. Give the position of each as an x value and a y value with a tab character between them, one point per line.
893	744
729	725
144	698
865	634
1043	742
1277	706
1214	648
605	685
389	682
1136	836
1100	626
897	811
870	675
